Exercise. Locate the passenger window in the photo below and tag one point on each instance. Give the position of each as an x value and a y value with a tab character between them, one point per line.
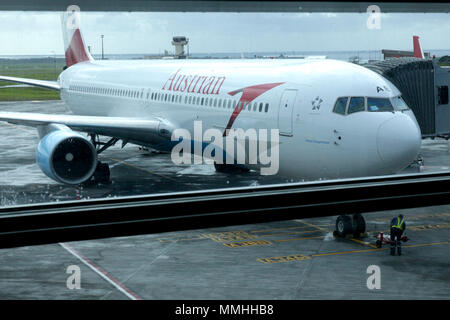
267	108
260	107
340	105
356	105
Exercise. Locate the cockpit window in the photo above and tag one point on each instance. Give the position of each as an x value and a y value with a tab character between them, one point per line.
341	104
399	104
379	105
356	104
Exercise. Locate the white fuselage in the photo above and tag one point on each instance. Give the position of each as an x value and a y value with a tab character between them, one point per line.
315	142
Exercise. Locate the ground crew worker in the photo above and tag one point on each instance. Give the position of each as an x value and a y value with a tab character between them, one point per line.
398	226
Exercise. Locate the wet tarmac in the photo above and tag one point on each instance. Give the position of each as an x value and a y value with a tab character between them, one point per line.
133	171
297	259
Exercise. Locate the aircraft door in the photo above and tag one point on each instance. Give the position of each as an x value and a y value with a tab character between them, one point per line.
285	112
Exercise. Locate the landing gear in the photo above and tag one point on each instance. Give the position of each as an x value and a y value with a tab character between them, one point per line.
346	225
230	168
359	225
102	173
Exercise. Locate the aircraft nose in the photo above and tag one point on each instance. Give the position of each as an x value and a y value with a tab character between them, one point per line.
398	142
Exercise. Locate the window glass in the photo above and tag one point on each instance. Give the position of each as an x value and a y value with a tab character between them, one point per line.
379	105
340	105
399	104
214	75
356	105
443	95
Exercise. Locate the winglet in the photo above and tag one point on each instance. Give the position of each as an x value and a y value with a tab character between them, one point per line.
74	46
418	53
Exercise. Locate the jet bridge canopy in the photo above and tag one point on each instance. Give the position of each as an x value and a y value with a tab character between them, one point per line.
424	87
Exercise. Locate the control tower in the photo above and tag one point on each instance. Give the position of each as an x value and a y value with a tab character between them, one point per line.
179	42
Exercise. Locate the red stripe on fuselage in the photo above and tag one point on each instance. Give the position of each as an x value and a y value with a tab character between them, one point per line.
248	95
75	52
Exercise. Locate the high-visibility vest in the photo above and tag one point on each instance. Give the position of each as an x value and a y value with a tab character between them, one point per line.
399	224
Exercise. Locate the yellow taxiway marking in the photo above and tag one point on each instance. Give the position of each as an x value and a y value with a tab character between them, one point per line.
290	258
312	225
247	243
278	229
363	243
287	233
305	257
229	236
295	239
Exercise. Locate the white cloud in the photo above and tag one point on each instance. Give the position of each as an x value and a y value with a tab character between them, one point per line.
125	32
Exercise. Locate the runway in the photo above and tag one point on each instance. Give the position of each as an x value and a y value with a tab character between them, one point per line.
297	259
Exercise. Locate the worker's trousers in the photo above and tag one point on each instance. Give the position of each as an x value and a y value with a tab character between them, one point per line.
396	235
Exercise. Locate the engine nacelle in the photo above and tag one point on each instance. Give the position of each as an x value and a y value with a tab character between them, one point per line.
66	156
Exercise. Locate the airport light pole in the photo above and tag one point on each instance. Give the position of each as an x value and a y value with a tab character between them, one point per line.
102	36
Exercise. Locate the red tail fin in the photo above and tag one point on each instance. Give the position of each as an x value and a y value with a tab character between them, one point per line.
74	46
418	53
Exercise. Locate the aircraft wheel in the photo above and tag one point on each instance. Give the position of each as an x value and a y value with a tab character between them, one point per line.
102	173
343	225
359	225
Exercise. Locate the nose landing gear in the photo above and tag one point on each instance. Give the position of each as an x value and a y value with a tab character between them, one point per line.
350	225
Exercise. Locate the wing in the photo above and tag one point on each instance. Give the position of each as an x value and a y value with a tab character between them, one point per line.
39	83
151	130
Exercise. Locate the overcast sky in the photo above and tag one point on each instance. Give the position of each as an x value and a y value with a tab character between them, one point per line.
40	33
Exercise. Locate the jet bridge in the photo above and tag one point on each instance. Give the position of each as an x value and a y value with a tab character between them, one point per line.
424	86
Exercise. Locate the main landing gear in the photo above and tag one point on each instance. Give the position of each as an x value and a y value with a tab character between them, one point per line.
350	225
102	173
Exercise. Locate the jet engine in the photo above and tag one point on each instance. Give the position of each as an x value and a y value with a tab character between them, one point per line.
66	156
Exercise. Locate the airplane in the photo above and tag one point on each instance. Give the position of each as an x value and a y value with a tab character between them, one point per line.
335	119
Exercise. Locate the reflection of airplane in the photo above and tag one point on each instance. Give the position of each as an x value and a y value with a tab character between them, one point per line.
336	119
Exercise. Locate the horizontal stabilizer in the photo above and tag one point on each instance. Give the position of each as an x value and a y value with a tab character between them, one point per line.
38	83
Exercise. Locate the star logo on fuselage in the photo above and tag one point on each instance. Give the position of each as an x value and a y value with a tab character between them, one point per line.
316	103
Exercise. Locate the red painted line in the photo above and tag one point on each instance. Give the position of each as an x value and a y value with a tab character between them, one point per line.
105	275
